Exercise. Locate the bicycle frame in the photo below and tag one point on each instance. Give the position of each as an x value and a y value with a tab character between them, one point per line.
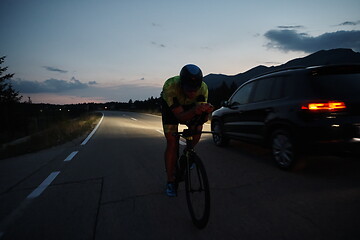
188	134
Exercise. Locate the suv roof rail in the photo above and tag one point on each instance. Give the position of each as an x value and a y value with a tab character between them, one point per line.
354	67
281	69
312	67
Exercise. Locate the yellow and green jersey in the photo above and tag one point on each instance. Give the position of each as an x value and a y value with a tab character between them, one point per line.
174	96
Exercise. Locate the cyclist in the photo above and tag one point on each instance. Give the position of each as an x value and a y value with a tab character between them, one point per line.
184	100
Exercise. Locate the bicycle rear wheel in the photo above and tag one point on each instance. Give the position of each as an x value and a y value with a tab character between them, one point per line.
197	192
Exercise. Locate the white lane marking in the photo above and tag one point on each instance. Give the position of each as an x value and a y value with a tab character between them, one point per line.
152	115
134	119
93	131
43	185
71	156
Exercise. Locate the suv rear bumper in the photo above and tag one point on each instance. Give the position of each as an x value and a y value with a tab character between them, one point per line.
332	138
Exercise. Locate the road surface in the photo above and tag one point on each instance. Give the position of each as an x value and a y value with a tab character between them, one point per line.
112	187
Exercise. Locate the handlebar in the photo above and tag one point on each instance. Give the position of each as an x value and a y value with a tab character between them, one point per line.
189	133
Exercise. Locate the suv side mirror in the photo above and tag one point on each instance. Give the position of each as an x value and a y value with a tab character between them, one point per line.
225	103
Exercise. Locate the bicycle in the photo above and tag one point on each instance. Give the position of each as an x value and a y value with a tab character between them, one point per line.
191	169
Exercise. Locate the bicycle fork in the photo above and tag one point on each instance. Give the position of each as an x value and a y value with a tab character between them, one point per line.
191	165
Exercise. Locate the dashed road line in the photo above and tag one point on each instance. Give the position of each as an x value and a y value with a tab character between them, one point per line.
18	212
71	156
37	192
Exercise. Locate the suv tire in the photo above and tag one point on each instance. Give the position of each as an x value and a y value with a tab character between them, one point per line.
283	149
218	137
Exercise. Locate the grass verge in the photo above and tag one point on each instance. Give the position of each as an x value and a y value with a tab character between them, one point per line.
57	134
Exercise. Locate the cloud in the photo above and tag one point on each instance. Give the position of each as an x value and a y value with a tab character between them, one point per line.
92	83
290	27
273	63
291	40
349	23
48	86
158	44
155	24
52	69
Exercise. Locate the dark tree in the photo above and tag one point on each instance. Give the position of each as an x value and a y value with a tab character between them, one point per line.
7	93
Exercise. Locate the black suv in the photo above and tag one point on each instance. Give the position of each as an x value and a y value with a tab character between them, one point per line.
294	110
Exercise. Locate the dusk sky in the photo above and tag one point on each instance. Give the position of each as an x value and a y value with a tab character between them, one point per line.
75	51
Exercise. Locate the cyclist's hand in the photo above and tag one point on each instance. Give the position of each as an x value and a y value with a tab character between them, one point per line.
209	108
203	107
199	109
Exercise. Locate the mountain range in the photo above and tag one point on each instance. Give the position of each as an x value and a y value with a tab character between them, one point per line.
323	57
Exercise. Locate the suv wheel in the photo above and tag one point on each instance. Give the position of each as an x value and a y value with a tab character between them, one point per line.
283	149
218	137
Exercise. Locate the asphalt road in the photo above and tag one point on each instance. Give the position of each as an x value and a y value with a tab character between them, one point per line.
113	188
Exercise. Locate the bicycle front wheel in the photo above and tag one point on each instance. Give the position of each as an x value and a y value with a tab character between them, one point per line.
197	192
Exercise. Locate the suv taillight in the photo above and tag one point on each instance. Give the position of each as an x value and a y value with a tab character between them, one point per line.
330	106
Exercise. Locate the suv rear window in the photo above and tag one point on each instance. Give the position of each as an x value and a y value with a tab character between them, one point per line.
337	85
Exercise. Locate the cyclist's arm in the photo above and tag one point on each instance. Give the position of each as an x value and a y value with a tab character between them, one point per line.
184	116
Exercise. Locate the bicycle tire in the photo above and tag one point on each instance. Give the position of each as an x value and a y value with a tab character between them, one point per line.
197	192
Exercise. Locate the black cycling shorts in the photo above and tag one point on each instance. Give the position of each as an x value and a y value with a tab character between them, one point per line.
170	122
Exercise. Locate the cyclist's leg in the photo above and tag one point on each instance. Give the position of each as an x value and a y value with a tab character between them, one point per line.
196	138
171	151
170	126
